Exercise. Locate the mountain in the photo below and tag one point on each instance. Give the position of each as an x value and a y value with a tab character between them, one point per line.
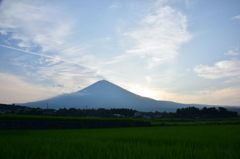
104	94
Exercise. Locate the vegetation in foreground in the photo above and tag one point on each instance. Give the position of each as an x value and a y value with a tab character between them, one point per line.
182	142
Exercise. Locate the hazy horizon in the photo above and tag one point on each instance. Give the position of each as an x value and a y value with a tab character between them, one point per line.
186	51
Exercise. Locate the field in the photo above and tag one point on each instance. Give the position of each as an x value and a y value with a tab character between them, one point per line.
167	142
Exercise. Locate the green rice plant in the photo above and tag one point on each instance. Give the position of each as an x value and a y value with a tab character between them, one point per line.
172	142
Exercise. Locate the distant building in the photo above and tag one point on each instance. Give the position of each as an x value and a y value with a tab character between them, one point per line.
119	115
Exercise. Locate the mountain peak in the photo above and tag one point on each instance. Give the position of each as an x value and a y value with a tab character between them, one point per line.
99	86
103	81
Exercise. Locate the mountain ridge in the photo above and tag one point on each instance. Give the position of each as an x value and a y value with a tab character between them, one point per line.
105	94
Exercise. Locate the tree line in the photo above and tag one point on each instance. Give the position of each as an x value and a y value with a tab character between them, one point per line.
212	112
188	112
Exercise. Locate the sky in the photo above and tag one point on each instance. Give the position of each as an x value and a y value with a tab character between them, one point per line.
186	51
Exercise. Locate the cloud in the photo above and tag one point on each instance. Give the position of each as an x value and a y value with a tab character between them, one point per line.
215	96
114	5
71	77
237	17
34	24
42	34
221	69
159	35
52	71
42	77
16	90
225	96
233	52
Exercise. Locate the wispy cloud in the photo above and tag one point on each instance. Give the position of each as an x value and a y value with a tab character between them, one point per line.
46	47
159	35
53	71
34	24
114	5
237	17
221	69
222	96
56	59
233	52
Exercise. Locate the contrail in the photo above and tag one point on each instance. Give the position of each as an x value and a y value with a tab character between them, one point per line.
27	52
47	56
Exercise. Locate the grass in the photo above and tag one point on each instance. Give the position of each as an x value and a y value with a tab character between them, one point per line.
59	118
182	142
181	122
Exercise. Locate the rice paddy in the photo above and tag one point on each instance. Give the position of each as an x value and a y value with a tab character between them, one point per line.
168	142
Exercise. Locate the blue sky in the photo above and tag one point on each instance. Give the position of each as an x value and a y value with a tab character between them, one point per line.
181	50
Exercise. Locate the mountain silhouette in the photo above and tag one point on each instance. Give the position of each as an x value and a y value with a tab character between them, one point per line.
104	94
